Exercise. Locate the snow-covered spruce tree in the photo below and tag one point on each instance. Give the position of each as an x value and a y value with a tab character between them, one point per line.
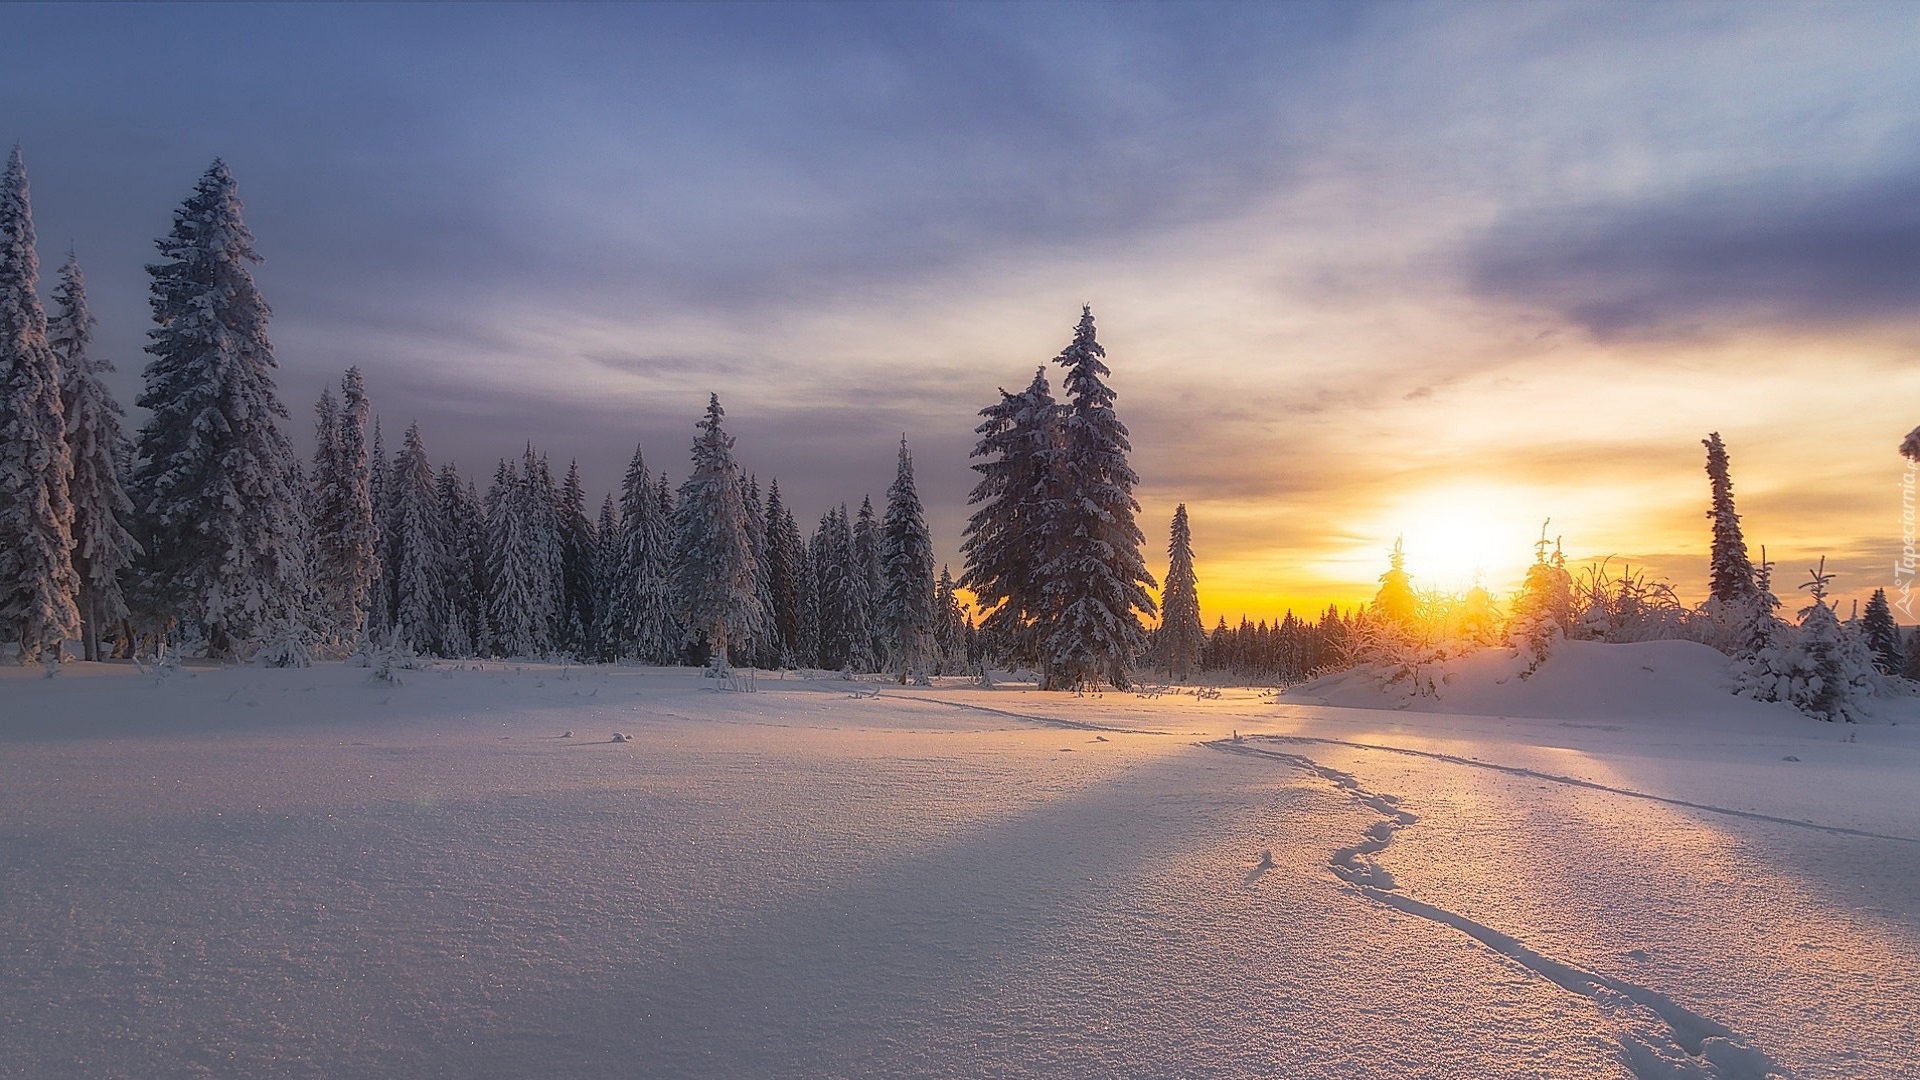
421	564
524	566
326	420
824	628
613	605
1736	600
345	560
867	555
807	607
764	650
1396	607
1731	570
467	586
606	567
38	585
1882	634
379	620
1181	635
639	617
1479	621
543	509
576	563
949	627
714	573
1543	610
844	633
217	486
784	563
858	617
1014	528
674	630
906	596
103	549
1095	578
1824	670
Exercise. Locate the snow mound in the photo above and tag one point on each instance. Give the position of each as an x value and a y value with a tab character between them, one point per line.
1580	680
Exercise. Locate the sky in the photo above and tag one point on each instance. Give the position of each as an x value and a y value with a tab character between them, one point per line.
1432	271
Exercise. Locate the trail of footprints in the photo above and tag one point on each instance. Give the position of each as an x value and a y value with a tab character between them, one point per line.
1659	1038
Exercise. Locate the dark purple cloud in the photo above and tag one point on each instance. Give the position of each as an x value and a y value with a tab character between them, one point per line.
1718	259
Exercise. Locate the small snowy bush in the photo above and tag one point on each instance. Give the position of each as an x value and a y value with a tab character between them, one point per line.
1821	667
287	643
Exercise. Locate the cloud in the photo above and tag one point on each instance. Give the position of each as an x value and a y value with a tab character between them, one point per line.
1715	259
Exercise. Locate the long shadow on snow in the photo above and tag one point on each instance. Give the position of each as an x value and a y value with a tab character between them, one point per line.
858	979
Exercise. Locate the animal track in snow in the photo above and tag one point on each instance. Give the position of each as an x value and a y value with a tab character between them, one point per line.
1574	781
1659	1038
1049	721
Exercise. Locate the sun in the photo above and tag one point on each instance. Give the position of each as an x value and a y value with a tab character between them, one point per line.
1455	538
1450	550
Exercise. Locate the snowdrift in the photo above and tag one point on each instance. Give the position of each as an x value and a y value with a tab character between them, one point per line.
1580	680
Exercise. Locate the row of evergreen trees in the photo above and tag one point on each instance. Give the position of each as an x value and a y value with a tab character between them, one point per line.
419	557
206	526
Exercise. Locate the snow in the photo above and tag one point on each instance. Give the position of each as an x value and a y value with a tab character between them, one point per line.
245	871
1587	680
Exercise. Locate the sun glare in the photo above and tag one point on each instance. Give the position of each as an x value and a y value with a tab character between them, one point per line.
1449	550
1455	537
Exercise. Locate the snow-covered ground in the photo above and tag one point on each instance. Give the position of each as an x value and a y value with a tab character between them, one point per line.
1604	871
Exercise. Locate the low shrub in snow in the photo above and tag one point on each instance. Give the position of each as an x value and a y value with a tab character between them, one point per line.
287	642
1822	667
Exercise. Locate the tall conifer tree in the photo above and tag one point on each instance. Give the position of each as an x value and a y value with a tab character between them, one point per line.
784	563
467	586
764	648
715	575
867	558
1731	570
421	566
1013	529
1095	577
217	485
1182	635
98	448
1738	595
380	598
639	600
807	607
576	562
525	562
606	571
906	600
1882	634
346	563
37	580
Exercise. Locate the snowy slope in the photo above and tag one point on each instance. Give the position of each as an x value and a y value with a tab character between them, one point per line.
1580	680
